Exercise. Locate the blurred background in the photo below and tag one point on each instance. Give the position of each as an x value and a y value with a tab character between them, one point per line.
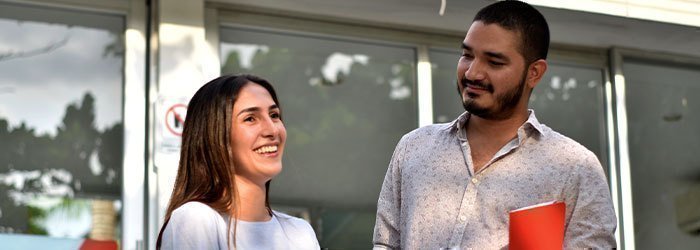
93	95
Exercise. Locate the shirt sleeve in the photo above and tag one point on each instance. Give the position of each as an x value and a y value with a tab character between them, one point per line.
593	222
306	228
312	235
191	226
387	234
298	231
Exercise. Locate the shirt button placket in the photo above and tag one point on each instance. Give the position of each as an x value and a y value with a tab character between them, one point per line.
467	211
461	223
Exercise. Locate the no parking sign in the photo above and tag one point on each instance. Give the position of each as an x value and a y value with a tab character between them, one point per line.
175	118
169	118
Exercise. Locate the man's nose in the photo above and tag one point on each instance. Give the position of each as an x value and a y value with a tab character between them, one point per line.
475	71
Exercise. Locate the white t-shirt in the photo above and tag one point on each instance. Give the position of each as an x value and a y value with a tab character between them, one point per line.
194	225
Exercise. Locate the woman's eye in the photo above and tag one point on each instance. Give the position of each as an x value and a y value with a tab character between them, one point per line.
249	119
275	115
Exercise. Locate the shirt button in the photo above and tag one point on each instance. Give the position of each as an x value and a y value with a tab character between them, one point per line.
475	180
463	218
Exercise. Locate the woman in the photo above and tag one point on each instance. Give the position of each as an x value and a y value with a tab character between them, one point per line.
232	146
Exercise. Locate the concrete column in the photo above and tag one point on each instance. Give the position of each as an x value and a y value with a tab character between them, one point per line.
185	61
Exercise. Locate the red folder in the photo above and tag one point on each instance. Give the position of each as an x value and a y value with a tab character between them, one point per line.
537	227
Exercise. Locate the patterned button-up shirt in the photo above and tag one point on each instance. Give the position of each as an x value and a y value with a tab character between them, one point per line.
431	197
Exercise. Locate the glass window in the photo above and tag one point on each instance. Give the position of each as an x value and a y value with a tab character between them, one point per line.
60	125
446	99
345	106
569	99
663	135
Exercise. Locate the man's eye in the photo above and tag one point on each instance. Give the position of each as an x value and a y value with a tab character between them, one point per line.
497	63
275	115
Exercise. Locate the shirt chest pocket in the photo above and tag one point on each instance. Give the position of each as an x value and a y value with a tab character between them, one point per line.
503	196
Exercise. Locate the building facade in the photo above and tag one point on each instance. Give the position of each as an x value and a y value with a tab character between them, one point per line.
93	94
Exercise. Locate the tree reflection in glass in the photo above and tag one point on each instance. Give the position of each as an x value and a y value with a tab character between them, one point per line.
61	133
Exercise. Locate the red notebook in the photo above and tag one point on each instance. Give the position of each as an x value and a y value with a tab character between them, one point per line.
537	227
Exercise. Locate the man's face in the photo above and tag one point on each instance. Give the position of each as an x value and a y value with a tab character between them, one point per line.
491	72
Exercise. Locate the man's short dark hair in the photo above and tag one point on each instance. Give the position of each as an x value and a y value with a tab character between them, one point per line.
525	20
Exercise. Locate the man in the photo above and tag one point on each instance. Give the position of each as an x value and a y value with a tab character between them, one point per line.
452	185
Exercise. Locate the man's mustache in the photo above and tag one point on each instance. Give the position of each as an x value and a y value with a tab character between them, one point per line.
479	84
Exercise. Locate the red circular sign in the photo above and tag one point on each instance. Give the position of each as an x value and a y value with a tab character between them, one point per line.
175	118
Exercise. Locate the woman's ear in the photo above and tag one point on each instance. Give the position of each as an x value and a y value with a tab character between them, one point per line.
535	72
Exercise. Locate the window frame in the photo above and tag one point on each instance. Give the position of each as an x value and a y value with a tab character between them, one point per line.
624	179
134	87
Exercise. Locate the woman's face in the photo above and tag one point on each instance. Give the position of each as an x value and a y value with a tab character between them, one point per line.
257	135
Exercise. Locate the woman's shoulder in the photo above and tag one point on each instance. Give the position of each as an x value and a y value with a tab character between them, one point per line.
194	212
298	229
195	206
194	225
288	219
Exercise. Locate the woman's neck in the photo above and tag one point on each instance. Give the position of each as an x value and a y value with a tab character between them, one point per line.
252	201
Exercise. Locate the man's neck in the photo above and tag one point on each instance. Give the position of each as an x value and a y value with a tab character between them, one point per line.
252	201
497	128
486	137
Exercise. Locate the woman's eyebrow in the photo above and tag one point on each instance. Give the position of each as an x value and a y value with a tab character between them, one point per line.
249	110
256	109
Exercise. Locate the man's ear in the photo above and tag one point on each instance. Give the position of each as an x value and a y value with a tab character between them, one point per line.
535	72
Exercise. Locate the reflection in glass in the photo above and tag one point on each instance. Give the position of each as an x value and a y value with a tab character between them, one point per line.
446	99
60	122
345	106
570	99
664	138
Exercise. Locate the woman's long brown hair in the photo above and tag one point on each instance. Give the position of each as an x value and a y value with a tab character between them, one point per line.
206	170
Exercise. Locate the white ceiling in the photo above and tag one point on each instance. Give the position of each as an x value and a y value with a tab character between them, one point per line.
684	12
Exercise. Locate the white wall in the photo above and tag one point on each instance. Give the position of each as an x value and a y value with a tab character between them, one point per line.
567	27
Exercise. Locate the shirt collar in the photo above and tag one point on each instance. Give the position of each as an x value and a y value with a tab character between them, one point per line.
533	123
530	125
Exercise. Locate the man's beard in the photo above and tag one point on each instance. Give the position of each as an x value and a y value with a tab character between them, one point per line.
504	105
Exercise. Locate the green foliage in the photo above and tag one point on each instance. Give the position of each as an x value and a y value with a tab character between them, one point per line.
36	217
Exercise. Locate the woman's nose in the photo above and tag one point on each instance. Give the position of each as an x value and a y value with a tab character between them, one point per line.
269	128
